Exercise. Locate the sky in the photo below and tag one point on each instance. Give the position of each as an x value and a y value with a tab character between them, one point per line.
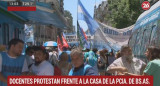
71	5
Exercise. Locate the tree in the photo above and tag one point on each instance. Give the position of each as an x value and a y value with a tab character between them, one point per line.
69	18
123	13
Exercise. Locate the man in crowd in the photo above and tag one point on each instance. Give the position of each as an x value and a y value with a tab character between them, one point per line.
79	68
153	66
41	66
127	63
12	62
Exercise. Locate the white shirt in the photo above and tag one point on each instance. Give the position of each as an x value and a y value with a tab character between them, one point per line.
25	66
44	68
29	60
134	67
53	59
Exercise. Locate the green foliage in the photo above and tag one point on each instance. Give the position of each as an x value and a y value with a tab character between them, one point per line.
123	13
69	17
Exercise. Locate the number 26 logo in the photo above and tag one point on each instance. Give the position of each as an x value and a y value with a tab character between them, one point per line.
145	5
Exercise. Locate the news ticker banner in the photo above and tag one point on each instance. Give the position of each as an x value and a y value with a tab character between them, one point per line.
80	80
21	6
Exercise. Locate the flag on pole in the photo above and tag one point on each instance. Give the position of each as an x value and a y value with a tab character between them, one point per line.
59	44
84	15
65	44
62	43
82	37
79	35
84	34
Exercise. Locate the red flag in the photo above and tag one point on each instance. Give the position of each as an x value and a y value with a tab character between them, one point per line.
84	34
65	44
60	45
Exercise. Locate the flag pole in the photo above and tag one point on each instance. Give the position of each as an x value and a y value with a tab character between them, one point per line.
77	26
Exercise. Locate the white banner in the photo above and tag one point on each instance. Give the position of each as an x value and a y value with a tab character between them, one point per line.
111	38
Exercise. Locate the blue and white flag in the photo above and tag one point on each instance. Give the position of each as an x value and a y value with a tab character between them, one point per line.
84	15
82	38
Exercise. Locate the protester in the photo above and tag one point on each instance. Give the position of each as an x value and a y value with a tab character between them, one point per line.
111	57
47	56
86	54
55	55
153	67
79	68
12	62
29	52
118	55
65	49
63	64
127	63
53	59
41	66
102	62
93	59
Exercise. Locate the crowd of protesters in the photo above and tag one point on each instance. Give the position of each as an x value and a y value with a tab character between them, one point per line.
41	61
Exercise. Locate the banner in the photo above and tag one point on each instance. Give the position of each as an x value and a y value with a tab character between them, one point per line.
111	38
119	35
84	15
80	80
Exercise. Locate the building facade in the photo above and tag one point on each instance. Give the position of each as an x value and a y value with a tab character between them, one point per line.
43	33
73	40
100	11
11	26
45	22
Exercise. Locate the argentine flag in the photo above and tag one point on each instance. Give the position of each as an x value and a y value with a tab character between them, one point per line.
84	15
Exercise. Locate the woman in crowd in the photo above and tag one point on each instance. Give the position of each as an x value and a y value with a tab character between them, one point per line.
153	67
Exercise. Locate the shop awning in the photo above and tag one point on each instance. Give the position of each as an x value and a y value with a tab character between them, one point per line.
44	14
